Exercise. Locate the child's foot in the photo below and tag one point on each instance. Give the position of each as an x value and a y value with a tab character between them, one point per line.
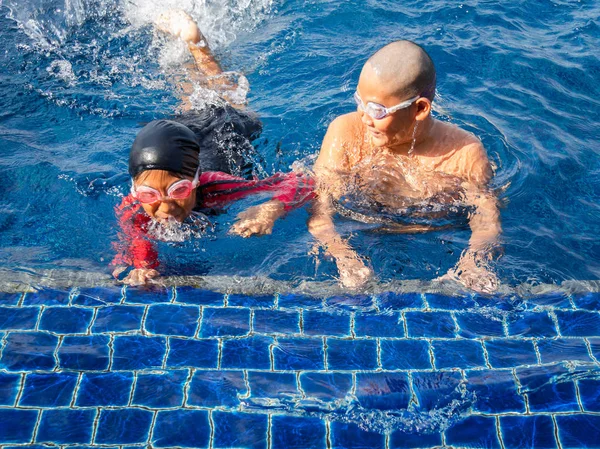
179	24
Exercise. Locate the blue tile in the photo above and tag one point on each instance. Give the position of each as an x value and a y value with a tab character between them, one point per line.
475	431
548	388
118	319
531	324
475	325
123	426
297	433
247	430
587	301
405	354
272	385
299	354
104	389
378	325
410	440
520	432
589	392
193	353
247	353
276	322
399	301
326	386
66	426
17	425
555	299
191	295
323	323
437	301
578	323
508	353
266	301
350	302
225	322
47	297
496	391
171	319
563	349
578	431
10	299
350	436
291	301
181	428
66	320
98	296
458	354
595	347
147	295
216	388
436	390
351	354
84	353
160	390
9	387
25	352
138	352
430	324
383	391
18	318
498	302
48	390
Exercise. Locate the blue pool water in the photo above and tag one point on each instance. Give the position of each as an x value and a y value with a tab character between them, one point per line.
267	352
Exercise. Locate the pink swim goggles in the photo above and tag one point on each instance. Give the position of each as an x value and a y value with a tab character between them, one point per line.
179	190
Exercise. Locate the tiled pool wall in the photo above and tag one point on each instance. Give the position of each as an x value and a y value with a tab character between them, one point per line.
183	367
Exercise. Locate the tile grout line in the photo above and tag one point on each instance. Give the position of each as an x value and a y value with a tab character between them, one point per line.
251	324
123	294
111	351
404	324
133	386
219	353
167	350
3	343
499	432
325	364
505	327
414	400
21	299
199	323
269	430
486	356
431	355
186	387
173	295
589	348
299	385
537	351
76	390
89	328
151	430
328	433
55	354
556	431
352	324
39	318
36	427
272	353
520	391
387	441
554	319
301	322
21	389
71	297
95	425
578	396
211	422
143	321
379	365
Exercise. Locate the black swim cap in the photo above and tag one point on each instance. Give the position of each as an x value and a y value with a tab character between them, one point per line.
164	145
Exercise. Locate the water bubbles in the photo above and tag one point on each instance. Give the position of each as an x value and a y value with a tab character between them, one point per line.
197	225
63	70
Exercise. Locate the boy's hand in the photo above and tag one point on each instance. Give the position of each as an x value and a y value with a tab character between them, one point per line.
140	276
473	271
258	220
353	272
179	24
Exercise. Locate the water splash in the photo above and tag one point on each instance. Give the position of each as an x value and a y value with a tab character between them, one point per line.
196	226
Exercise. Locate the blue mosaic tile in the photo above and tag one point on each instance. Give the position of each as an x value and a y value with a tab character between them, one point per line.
118	319
325	324
326	386
266	301
350	436
66	320
554	299
160	390
508	353
378	325
589	392
247	353
595	347
498	302
276	322
123	426
104	389
181	428
579	431
48	390
25	352
430	324
587	301
297	433
437	301
548	388
66	426
138	352
225	322
383	391
399	301
98	296
17	425
578	323
351	354
458	354
299	302
520	432
405	354
47	297
496	391
299	354
437	389
475	325
216	388
18	318
192	353
272	385
350	302
247	430
9	387
147	295
191	295
10	299
563	349
531	324
411	440
475	431
171	319
84	353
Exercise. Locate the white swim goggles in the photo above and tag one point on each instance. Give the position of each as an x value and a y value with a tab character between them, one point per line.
378	111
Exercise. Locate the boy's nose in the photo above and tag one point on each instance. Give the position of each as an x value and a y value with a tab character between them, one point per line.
366	118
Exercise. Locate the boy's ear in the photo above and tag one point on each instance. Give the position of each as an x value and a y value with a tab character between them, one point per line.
423	108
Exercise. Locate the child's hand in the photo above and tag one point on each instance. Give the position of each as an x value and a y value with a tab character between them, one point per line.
140	276
258	220
473	271
179	24
353	272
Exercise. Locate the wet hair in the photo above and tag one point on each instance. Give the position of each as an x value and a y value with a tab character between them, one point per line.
165	145
405	68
